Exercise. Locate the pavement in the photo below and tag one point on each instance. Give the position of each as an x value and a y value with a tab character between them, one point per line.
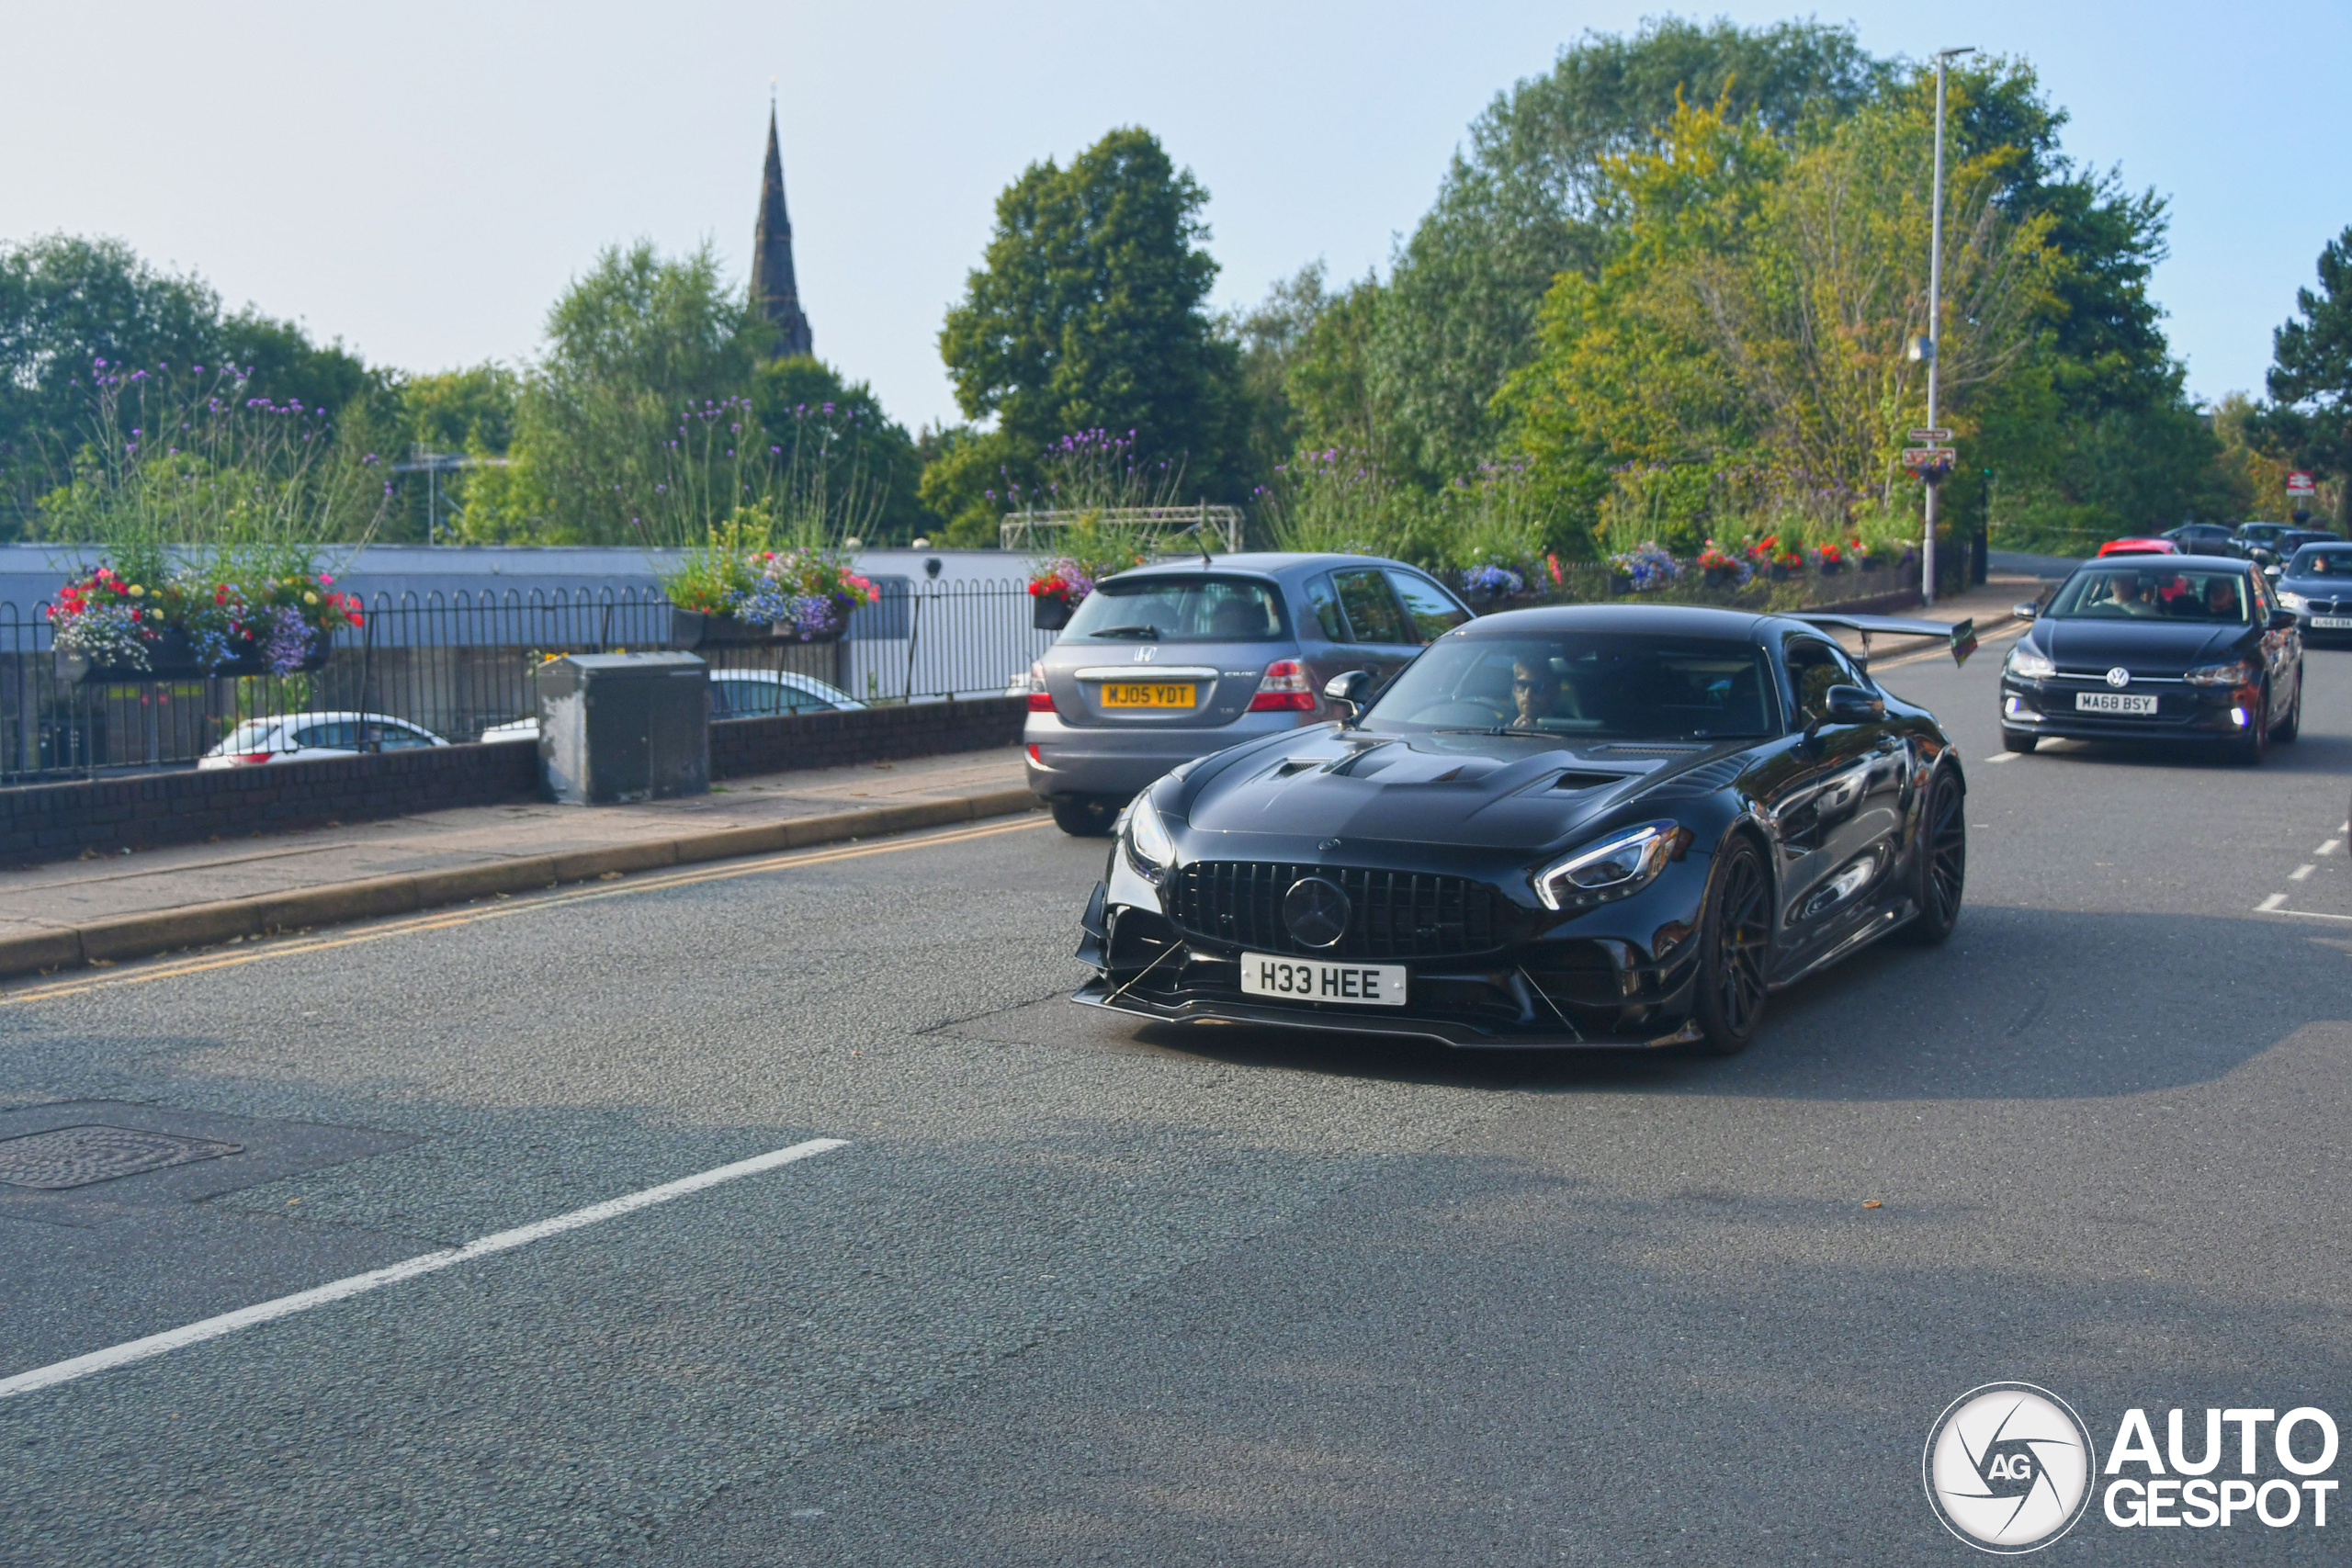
116	906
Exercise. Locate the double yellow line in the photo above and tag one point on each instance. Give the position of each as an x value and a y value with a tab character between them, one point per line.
472	914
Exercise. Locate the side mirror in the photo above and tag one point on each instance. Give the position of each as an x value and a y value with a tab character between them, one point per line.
1350	691
2026	609
2282	620
1851	705
2273	570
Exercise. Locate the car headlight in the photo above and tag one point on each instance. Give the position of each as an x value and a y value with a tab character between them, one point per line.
2029	664
2236	673
1617	867
1149	849
2294	602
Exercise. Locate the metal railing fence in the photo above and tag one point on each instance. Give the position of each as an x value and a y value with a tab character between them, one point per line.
458	665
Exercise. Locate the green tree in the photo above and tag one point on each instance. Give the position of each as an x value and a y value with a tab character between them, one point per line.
2309	417
803	400
1522	206
1091	313
631	346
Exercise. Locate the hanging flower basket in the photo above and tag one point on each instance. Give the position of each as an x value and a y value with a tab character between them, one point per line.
172	656
694	628
1050	611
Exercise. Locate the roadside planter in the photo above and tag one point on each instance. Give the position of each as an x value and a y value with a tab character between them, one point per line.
726	595
184	625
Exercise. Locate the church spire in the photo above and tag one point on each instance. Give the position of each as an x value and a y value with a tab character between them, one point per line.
775	293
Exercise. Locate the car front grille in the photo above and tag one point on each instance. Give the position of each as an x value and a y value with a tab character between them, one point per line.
1391	914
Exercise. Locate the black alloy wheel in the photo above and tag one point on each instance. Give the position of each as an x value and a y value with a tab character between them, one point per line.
1940	863
1738	932
2255	744
1086	816
2019	740
2293	725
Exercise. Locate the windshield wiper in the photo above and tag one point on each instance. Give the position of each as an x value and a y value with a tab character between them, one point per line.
1151	632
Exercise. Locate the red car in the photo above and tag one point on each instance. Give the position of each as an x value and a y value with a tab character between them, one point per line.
2139	547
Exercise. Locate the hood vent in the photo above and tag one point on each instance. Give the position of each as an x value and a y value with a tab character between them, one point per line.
1573	780
1704	780
1661	749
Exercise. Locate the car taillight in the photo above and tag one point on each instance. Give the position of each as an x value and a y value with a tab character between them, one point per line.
1283	689
256	756
1040	699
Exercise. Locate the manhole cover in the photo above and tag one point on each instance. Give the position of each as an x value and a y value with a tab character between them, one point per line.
75	1157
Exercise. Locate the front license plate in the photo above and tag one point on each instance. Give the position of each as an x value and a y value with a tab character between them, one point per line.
2332	623
1122	695
1316	980
2113	702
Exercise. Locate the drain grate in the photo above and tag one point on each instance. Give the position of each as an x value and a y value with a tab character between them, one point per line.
76	1156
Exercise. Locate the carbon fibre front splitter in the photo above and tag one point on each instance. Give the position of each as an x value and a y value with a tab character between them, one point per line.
1098	992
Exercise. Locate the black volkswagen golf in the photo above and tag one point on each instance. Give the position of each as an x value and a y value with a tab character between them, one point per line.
1603	825
2157	647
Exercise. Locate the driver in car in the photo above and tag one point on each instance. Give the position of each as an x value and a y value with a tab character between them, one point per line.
1534	692
2123	593
2221	600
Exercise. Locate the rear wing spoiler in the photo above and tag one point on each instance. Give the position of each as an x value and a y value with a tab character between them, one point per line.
1962	634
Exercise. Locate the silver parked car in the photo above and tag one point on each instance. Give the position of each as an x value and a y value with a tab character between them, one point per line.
1165	663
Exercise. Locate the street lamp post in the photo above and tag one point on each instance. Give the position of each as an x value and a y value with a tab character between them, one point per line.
1935	319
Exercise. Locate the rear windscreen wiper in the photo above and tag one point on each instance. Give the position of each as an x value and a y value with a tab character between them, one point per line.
1151	632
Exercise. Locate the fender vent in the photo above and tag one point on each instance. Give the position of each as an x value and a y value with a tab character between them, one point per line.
1704	780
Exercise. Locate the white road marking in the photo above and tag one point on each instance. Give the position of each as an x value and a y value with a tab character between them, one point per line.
2268	905
409	1269
2301	872
2330	847
2306	914
2004	757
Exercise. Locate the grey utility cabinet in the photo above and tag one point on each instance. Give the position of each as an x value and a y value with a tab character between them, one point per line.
622	726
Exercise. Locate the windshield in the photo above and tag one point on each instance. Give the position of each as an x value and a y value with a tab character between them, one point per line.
2322	561
1590	685
2152	592
1179	609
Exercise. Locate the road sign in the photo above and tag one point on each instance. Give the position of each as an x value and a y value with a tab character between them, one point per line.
1936	435
2299	483
1928	456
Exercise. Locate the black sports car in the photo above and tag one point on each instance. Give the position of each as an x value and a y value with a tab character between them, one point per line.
2157	647
1603	825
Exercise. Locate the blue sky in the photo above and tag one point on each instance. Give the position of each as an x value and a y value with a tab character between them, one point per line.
420	182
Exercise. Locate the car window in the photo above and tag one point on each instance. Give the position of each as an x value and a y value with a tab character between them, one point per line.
1326	604
1430	613
1591	685
1163	608
341	735
2322	561
752	698
1815	666
400	737
2153	592
1371	610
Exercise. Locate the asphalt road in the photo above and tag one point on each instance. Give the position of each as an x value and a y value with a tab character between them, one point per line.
1077	1293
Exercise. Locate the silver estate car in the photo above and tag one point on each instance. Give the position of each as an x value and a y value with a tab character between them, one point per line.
1167	662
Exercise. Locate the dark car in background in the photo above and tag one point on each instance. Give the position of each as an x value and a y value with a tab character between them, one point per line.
2203	539
2261	542
2157	648
1588	825
2316	584
1171	661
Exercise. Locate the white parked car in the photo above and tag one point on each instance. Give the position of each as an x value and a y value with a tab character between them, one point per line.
734	694
307	737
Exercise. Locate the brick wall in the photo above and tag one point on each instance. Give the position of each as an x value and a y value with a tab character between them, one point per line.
59	821
742	746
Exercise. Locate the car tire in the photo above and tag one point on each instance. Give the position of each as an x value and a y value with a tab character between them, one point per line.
2293	725
2019	740
1736	936
1940	863
1086	816
2255	745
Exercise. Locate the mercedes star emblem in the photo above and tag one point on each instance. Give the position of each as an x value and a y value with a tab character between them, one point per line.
1316	910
